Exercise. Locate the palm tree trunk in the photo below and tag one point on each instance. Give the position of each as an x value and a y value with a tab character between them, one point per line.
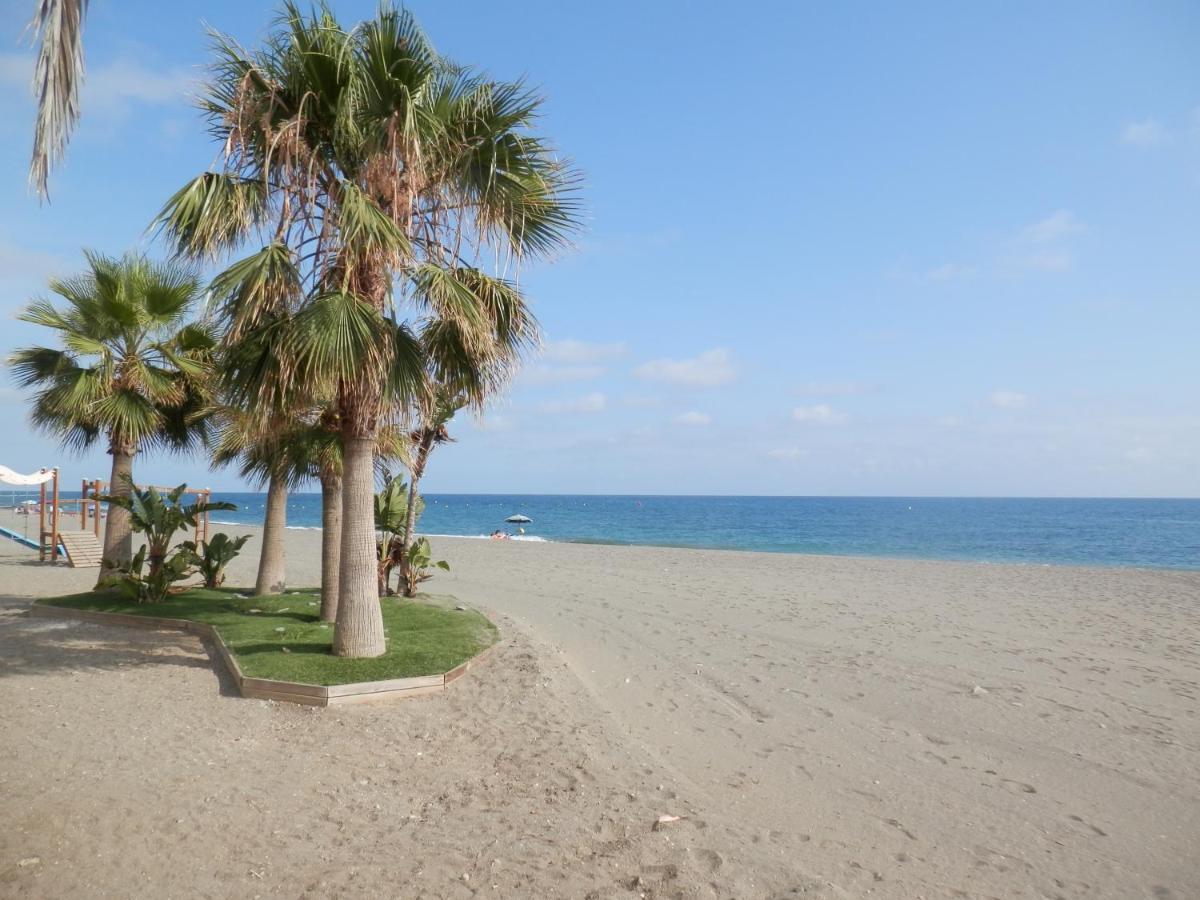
118	536
407	585
271	559
331	544
359	631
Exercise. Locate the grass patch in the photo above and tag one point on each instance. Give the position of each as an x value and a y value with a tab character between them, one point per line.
423	637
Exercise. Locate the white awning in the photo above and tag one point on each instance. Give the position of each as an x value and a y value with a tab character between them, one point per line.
41	476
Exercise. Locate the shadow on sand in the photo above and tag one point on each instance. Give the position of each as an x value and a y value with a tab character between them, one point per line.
33	646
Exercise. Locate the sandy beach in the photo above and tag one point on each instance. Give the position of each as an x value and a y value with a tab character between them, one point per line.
825	727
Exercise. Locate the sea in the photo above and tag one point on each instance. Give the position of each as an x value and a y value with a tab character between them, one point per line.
1161	534
1141	533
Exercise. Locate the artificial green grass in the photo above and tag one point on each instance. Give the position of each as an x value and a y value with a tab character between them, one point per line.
423	637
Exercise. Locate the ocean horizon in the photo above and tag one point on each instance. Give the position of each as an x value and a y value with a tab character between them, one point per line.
1162	533
1152	533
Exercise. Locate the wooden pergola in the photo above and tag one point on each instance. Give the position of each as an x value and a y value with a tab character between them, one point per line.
89	504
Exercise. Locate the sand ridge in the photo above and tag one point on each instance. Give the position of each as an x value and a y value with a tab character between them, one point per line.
826	727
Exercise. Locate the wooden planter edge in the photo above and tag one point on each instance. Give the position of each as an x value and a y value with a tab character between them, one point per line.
270	689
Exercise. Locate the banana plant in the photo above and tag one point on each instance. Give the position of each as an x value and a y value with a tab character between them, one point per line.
159	516
212	556
129	580
391	514
420	560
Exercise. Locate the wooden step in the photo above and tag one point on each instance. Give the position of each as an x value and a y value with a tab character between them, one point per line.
83	548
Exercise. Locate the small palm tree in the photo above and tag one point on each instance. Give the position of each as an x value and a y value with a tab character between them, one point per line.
432	431
317	448
129	371
264	455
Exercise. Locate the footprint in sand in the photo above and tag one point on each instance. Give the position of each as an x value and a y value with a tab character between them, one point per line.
1018	786
1098	831
895	823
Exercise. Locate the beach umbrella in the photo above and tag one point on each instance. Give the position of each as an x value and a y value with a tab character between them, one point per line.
519	519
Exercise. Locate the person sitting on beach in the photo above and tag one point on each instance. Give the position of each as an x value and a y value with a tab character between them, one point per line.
499	535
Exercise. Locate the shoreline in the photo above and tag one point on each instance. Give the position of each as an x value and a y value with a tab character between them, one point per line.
586	542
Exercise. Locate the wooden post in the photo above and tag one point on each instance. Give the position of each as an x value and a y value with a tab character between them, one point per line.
96	507
54	519
83	502
42	522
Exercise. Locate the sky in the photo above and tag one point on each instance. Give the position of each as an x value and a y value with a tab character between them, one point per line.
831	249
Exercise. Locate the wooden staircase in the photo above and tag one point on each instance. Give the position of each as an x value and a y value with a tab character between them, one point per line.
83	548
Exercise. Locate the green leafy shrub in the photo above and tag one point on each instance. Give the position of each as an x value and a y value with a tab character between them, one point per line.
391	515
212	556
159	517
153	586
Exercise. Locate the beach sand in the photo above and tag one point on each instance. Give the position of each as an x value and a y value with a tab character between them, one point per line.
825	727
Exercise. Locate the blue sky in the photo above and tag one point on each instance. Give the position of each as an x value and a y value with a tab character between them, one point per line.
947	249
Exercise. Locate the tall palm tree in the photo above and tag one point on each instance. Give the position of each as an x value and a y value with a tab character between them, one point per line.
58	27
379	176
130	370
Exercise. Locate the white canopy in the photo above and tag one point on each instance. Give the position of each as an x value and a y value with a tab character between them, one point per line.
41	476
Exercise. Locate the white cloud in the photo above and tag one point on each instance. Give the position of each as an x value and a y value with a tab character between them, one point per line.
575	353
1005	399
126	80
1146	133
949	272
641	401
834	388
560	374
1139	454
787	454
710	369
110	88
693	418
1055	261
821	412
1055	227
1044	245
591	403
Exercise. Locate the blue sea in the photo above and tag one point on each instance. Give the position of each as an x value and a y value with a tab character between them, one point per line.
1147	533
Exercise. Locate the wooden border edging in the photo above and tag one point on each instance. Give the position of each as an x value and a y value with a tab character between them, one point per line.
267	689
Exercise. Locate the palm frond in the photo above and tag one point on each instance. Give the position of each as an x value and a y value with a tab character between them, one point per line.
212	213
367	231
58	76
264	285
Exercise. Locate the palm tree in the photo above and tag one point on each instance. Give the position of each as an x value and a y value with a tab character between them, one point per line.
261	455
129	370
319	445
430	432
58	25
378	175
